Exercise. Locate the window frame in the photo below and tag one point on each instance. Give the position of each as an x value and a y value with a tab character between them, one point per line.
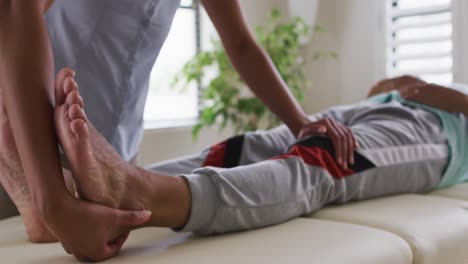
189	122
196	7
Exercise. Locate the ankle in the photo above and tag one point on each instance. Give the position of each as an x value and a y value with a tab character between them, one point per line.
137	189
167	197
183	202
170	200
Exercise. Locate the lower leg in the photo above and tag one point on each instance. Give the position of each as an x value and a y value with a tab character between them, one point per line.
167	197
236	199
13	180
208	201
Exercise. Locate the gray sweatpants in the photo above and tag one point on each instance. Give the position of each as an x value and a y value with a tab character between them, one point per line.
267	177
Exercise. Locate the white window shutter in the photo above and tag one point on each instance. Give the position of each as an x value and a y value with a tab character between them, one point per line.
420	39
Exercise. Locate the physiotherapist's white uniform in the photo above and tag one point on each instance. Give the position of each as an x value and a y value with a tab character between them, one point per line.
112	45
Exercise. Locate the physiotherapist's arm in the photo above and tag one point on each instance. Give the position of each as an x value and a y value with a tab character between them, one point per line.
86	230
26	79
253	64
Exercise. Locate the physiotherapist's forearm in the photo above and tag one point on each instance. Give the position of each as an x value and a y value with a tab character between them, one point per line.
26	79
253	64
260	74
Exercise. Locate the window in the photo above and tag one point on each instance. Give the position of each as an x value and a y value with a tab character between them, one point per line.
173	106
460	41
420	39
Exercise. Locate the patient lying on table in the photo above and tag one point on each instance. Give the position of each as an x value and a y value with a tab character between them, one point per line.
409	137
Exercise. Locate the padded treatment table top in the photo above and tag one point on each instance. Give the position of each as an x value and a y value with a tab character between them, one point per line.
436	228
456	192
297	241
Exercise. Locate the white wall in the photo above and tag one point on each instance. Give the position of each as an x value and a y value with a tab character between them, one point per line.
257	11
164	144
354	31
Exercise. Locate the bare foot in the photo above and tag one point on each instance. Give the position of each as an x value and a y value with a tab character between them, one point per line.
100	174
12	178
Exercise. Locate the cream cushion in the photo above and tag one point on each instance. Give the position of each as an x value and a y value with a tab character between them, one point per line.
297	241
455	192
435	228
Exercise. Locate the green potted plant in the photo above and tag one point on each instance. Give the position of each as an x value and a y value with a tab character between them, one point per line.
224	101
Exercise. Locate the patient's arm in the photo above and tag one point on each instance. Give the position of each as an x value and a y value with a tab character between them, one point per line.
399	83
438	97
417	90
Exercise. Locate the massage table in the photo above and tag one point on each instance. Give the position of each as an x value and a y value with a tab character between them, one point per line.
420	229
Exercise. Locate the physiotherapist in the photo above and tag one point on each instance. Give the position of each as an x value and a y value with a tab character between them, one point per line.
112	45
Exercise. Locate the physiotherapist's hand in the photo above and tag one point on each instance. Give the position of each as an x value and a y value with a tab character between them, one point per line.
92	232
343	140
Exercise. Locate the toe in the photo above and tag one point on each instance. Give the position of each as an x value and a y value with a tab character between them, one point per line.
69	85
80	129
63	74
76	112
59	84
74	98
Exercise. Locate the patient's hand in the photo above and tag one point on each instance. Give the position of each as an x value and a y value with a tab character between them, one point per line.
341	136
